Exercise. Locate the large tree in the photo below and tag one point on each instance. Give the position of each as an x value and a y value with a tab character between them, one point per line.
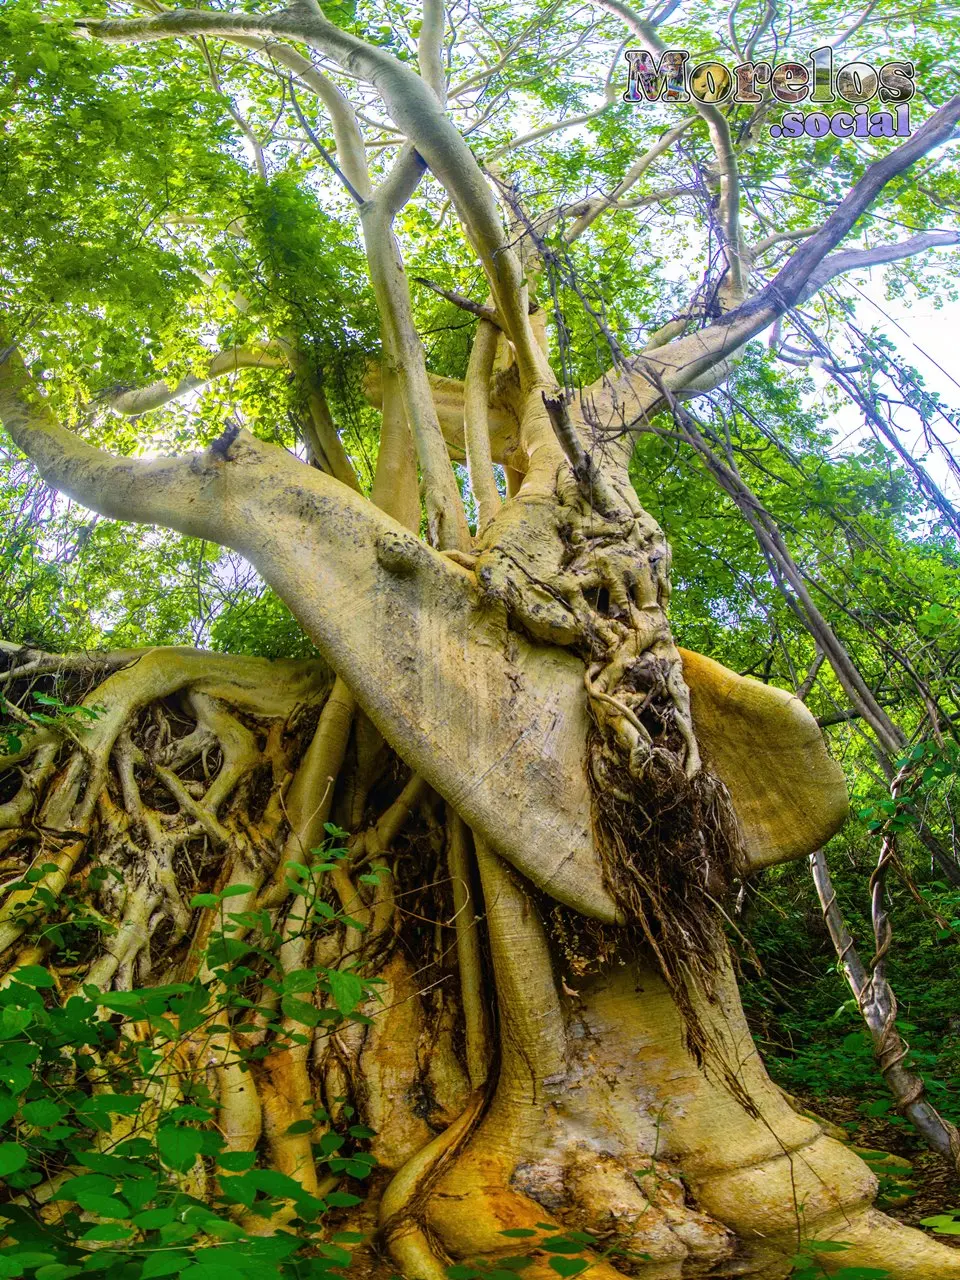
547	800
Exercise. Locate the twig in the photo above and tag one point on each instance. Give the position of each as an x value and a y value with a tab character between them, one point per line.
355	194
465	304
590	482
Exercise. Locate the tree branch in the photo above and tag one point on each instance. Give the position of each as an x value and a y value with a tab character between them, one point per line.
476	427
860	259
878	1008
723	147
505	56
636	171
787	287
465	304
448	396
678	364
346	131
416	111
555	126
182	493
430	49
781	237
352	191
142	399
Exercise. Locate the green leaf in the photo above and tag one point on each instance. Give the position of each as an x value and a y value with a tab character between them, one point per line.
236	890
205	900
567	1243
32	975
237	1161
13	1021
179	1147
943	1225
568	1266
212	1270
87	1183
108	1231
300	1126
307	1015
330	1142
42	1113
342	1200
12	1157
103	1206
153	1219
345	988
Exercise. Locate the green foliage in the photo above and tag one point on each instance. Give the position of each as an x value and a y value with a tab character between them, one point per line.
57	716
85	1120
806	1023
808	1263
944	1224
562	1249
574	1253
928	769
138	239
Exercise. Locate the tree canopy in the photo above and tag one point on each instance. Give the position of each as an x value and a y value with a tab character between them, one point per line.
393	344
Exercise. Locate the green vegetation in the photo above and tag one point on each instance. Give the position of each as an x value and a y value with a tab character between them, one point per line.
95	1128
186	262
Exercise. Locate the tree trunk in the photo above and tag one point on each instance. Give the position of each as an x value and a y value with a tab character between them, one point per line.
545	800
526	1062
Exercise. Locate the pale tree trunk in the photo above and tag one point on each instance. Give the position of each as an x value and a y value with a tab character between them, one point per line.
554	798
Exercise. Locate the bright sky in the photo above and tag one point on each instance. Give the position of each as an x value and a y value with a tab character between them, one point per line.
928	339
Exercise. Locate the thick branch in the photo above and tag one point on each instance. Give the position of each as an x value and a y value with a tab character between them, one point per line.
404	356
414	108
860	259
142	399
678	363
476	428
791	282
430	49
362	587
179	492
448	395
346	131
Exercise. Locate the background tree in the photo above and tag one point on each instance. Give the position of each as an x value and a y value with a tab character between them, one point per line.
349	255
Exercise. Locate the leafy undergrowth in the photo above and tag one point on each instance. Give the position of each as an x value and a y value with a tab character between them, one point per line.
111	1162
918	1186
810	1031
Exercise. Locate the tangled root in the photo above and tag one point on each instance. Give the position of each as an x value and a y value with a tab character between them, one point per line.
670	846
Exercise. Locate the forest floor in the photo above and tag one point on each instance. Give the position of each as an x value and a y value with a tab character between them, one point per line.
930	1186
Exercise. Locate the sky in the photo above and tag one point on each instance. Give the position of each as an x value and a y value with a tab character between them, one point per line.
928	339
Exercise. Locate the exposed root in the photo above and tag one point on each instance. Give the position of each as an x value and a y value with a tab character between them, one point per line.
203	774
670	849
591	572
